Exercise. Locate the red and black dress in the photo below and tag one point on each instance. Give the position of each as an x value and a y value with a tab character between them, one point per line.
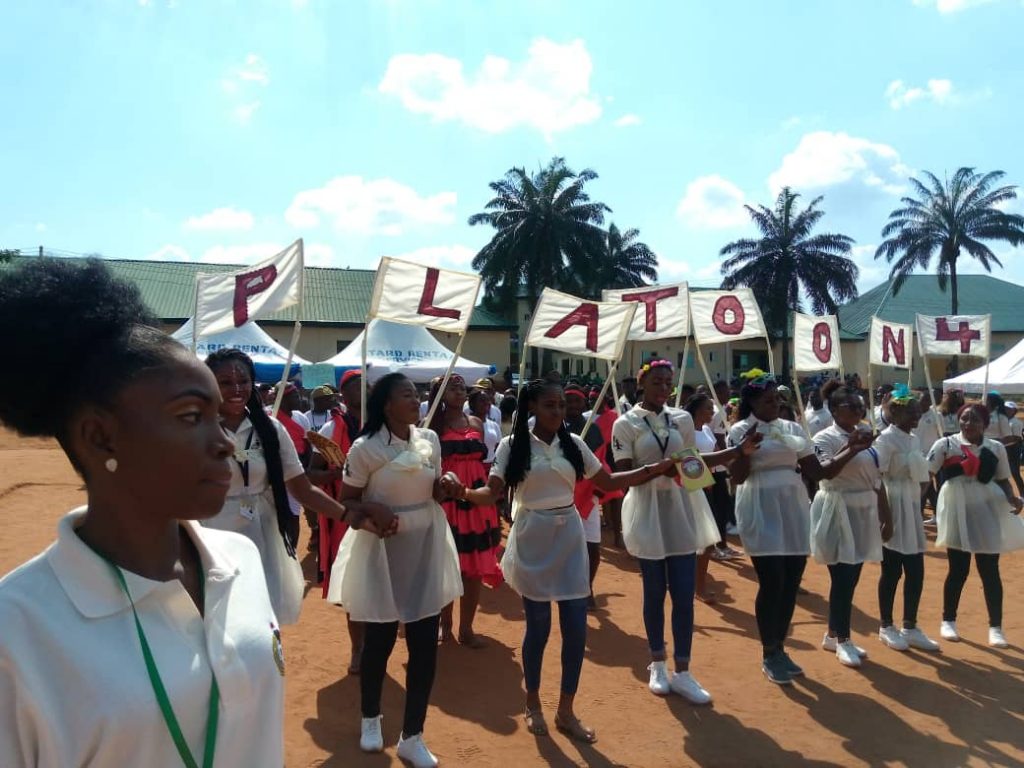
476	529
344	428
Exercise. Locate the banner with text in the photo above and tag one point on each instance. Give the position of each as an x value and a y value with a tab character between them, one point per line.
231	299
954	335
816	343
663	311
720	316
576	326
414	294
890	343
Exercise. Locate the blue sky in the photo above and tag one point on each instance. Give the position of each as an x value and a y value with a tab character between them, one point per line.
208	130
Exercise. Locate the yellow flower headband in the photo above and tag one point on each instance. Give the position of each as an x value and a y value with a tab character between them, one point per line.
755	377
650	365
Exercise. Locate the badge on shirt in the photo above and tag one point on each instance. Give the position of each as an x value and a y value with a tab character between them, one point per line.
278	648
246	511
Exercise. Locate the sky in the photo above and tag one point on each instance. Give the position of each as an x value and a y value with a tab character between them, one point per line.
220	131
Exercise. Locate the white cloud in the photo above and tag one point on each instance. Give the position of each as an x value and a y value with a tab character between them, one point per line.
871	272
369	206
628	120
40	227
254	70
549	91
451	256
901	95
169	252
712	202
242	84
824	159
244	112
951	6
221	219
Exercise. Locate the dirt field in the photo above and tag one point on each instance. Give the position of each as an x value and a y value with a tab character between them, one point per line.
964	706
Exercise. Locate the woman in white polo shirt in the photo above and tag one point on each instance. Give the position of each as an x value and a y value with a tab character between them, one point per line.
139	637
546	558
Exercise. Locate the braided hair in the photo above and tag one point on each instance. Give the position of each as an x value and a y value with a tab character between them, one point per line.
267	434
519	443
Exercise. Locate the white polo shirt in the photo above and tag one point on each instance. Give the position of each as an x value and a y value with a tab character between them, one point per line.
74	690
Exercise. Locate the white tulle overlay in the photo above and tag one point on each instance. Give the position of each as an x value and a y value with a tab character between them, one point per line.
844	526
546	555
976	517
660	519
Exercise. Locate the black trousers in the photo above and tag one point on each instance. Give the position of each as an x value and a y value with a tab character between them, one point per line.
720	502
778	578
895	565
844	578
991	584
421	640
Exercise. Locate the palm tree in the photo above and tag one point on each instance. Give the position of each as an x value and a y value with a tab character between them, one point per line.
949	218
548	233
787	260
626	262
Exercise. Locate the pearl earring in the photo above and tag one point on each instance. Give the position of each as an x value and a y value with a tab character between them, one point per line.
111	465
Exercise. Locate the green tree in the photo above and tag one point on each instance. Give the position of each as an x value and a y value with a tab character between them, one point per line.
547	233
788	262
6	254
947	219
626	262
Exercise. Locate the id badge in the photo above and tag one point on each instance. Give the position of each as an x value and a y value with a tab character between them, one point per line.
247	512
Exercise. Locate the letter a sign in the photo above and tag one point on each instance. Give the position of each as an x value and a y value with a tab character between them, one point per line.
890	344
575	326
414	294
720	316
663	311
230	300
816	343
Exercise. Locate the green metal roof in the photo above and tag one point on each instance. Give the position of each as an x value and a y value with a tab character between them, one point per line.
333	296
920	294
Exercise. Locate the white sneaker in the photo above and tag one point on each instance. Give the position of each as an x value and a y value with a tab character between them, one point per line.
371	737
682	683
917	639
996	638
659	683
832	643
414	751
847	654
893	638
947	630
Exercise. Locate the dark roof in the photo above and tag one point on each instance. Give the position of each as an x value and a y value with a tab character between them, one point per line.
333	296
920	294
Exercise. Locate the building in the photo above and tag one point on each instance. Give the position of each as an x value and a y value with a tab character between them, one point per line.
336	301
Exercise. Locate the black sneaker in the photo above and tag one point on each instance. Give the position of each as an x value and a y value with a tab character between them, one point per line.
775	669
790	666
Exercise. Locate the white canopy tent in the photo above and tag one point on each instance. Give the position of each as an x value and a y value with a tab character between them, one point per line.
1005	375
408	349
267	355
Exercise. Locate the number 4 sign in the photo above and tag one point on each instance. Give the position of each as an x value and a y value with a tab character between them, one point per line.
954	335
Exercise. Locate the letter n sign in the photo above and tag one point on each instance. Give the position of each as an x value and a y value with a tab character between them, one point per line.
894	346
251	284
585	314
426	306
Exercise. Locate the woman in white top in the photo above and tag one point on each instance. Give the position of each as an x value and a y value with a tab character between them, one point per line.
949	410
137	416
702	410
546	558
265	470
408	577
904	473
850	517
772	511
976	512
664	525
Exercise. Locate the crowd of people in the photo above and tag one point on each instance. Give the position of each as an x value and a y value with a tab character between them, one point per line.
180	568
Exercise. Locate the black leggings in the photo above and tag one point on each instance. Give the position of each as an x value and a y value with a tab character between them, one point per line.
421	640
778	578
894	566
991	584
720	502
844	577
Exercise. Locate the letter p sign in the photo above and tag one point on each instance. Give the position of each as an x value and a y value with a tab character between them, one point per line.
248	285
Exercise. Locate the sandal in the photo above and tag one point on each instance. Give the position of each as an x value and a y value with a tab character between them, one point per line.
535	722
574	729
472	640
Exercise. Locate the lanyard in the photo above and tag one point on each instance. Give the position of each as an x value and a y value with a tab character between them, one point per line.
662	445
161	693
243	467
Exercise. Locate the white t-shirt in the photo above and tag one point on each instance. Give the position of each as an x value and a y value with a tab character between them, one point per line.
998	426
861	473
1016	427
73	684
247	444
645	437
818	420
492	436
317	420
929	428
952	445
784	443
551	479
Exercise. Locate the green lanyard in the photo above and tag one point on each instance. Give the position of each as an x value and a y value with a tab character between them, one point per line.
161	692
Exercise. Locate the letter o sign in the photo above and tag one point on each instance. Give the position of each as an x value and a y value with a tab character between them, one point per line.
728	315
822	342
